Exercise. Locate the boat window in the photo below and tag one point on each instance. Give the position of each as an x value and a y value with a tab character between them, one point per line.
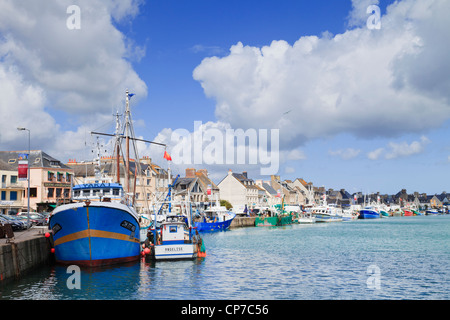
96	192
116	192
76	193
173	229
86	193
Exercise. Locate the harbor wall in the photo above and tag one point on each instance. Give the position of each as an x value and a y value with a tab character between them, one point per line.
18	257
242	222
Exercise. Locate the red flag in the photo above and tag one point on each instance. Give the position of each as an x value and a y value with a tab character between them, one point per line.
167	156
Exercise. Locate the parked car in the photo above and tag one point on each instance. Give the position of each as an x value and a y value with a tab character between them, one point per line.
35	218
16	225
26	224
17	219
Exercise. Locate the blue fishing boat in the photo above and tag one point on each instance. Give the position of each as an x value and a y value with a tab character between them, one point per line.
214	219
101	226
368	213
96	233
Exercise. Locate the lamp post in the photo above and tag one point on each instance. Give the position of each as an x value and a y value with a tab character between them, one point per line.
28	173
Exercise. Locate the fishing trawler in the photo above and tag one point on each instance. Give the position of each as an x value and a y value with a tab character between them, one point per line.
101	227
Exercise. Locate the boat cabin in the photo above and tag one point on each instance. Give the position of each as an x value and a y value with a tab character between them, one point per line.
174	230
98	192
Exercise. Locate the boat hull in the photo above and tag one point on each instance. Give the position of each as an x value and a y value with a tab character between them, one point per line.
327	218
306	220
384	213
212	226
273	221
408	213
368	214
95	235
177	251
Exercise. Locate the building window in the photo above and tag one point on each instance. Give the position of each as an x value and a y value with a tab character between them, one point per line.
66	193
3	195
58	192
50	176
13	179
13	195
51	192
33	192
59	176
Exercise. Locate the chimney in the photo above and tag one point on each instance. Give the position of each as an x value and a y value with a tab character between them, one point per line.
190	173
245	174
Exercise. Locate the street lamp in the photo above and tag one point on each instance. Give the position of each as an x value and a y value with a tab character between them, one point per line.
28	172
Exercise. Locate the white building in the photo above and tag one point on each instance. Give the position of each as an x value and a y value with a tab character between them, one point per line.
240	191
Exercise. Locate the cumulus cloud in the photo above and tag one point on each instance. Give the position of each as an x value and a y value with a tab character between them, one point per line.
369	83
375	154
217	146
49	71
400	149
404	149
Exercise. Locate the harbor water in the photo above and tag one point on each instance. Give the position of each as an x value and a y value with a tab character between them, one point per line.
396	258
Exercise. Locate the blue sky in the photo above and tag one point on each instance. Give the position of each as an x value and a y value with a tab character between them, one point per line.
370	109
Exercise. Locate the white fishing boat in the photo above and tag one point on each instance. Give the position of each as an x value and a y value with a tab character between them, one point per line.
349	215
306	217
173	239
326	213
176	241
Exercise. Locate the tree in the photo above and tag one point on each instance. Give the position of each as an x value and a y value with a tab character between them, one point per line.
226	204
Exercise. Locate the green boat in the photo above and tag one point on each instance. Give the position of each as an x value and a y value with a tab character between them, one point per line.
273	217
384	213
278	220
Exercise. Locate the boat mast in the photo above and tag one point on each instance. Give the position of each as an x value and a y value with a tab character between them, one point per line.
127	139
118	146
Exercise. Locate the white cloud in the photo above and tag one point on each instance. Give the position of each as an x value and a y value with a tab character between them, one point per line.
400	149
369	83
345	154
404	149
375	154
50	73
295	155
186	144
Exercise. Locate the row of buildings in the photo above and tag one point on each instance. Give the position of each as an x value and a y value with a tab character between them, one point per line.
51	184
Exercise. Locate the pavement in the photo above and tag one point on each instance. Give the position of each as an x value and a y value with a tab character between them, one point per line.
33	232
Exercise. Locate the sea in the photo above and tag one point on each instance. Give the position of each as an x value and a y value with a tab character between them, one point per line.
395	258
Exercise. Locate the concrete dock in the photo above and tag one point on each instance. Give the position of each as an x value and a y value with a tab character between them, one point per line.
242	222
27	250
